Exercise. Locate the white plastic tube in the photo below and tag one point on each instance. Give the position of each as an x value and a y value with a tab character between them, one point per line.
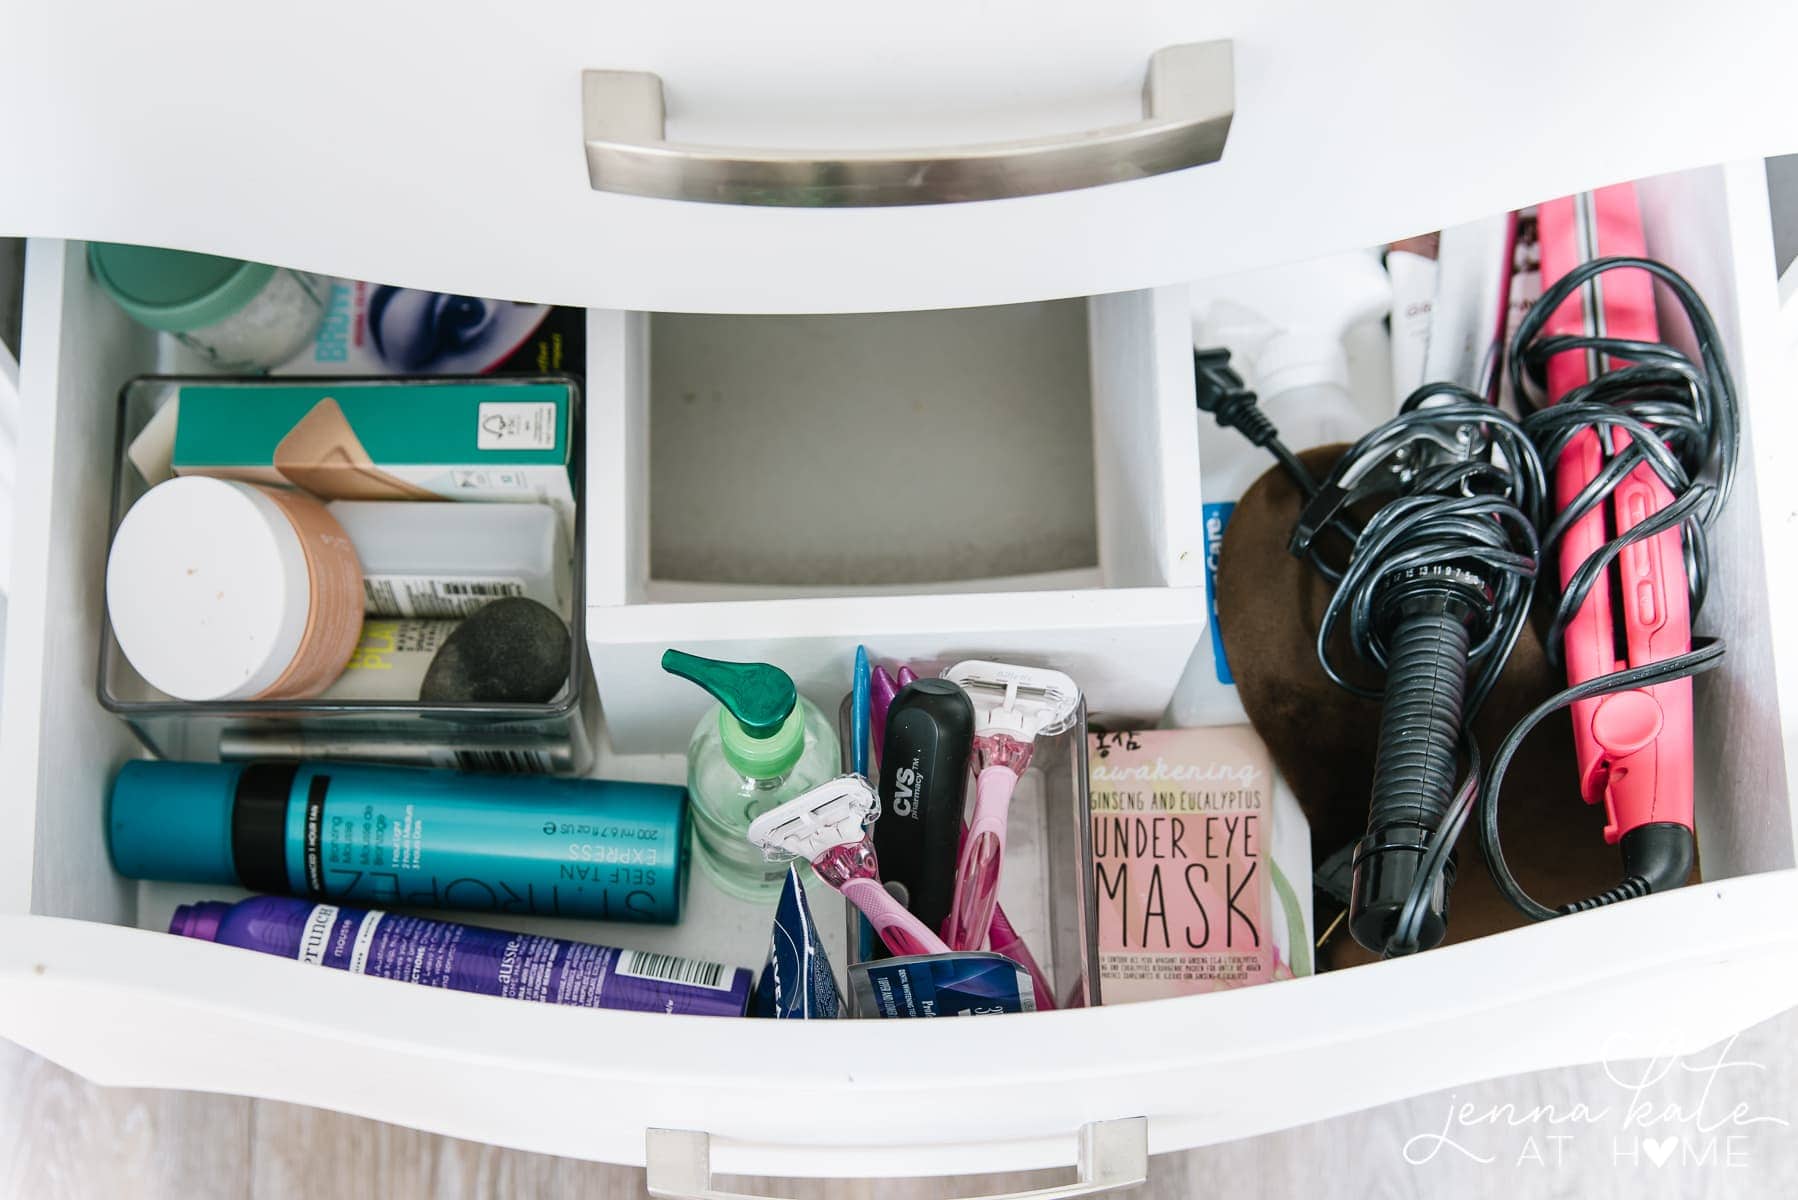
1468	319
447	560
1411	265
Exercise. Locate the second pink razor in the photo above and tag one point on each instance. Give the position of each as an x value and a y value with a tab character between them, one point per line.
1013	706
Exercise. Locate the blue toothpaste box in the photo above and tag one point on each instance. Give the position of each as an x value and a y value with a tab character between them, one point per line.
964	984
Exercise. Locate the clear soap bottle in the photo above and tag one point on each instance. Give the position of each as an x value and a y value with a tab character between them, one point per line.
762	745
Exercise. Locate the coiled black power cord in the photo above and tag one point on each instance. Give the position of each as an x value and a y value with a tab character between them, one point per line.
1439	583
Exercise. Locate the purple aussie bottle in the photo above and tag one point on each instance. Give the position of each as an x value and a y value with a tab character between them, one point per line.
468	958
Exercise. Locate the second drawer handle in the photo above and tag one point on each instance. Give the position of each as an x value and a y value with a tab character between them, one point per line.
1114	1155
1188	100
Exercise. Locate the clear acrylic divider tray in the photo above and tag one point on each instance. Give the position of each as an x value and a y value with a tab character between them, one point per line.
557	737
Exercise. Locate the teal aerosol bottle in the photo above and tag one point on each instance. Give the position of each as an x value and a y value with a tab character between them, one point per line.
515	845
761	745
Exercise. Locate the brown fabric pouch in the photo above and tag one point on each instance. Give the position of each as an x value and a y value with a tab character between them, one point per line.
1269	607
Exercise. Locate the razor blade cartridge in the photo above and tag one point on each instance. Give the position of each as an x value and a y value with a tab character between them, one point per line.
1025	702
832	814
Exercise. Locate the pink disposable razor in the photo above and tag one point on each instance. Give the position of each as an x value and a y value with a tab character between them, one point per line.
883	688
1013	706
827	827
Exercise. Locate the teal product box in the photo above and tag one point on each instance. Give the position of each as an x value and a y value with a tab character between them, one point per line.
373	439
398	836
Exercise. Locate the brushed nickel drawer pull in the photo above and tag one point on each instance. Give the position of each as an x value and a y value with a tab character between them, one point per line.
1114	1156
1188	99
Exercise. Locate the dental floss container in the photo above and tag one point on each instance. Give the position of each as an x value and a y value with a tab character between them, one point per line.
1284	328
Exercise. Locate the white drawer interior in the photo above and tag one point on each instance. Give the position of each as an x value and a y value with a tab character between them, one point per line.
1030	447
938	485
871	451
59	749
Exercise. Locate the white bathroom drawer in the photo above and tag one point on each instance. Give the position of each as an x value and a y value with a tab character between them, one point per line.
86	981
938	485
447	153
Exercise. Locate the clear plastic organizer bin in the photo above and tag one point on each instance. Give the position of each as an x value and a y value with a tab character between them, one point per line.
1047	889
556	737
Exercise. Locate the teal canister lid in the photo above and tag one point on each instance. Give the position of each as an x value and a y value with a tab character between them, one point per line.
174	290
169	820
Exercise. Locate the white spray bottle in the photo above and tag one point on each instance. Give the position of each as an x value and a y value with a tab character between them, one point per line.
1284	328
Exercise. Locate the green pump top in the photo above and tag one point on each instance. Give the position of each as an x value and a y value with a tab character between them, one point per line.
762	727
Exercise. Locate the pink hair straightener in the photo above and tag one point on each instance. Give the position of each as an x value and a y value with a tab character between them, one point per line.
1635	747
1631	426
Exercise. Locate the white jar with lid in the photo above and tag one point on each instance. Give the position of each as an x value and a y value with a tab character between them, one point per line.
220	590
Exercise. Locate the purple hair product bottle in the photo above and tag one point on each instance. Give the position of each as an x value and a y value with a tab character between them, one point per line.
468	958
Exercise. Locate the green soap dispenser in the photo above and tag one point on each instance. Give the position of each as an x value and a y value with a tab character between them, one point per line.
761	746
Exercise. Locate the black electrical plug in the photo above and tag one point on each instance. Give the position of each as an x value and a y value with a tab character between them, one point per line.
1220	391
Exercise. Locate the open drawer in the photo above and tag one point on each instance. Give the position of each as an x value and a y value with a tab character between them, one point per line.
86	981
361	142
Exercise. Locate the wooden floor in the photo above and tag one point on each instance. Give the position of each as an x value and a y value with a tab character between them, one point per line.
63	1137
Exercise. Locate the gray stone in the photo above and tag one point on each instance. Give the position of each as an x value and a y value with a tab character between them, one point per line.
511	651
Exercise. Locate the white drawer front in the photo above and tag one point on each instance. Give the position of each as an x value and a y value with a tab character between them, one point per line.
84	981
447	153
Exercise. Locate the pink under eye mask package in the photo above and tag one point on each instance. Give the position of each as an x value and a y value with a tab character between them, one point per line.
1190	828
